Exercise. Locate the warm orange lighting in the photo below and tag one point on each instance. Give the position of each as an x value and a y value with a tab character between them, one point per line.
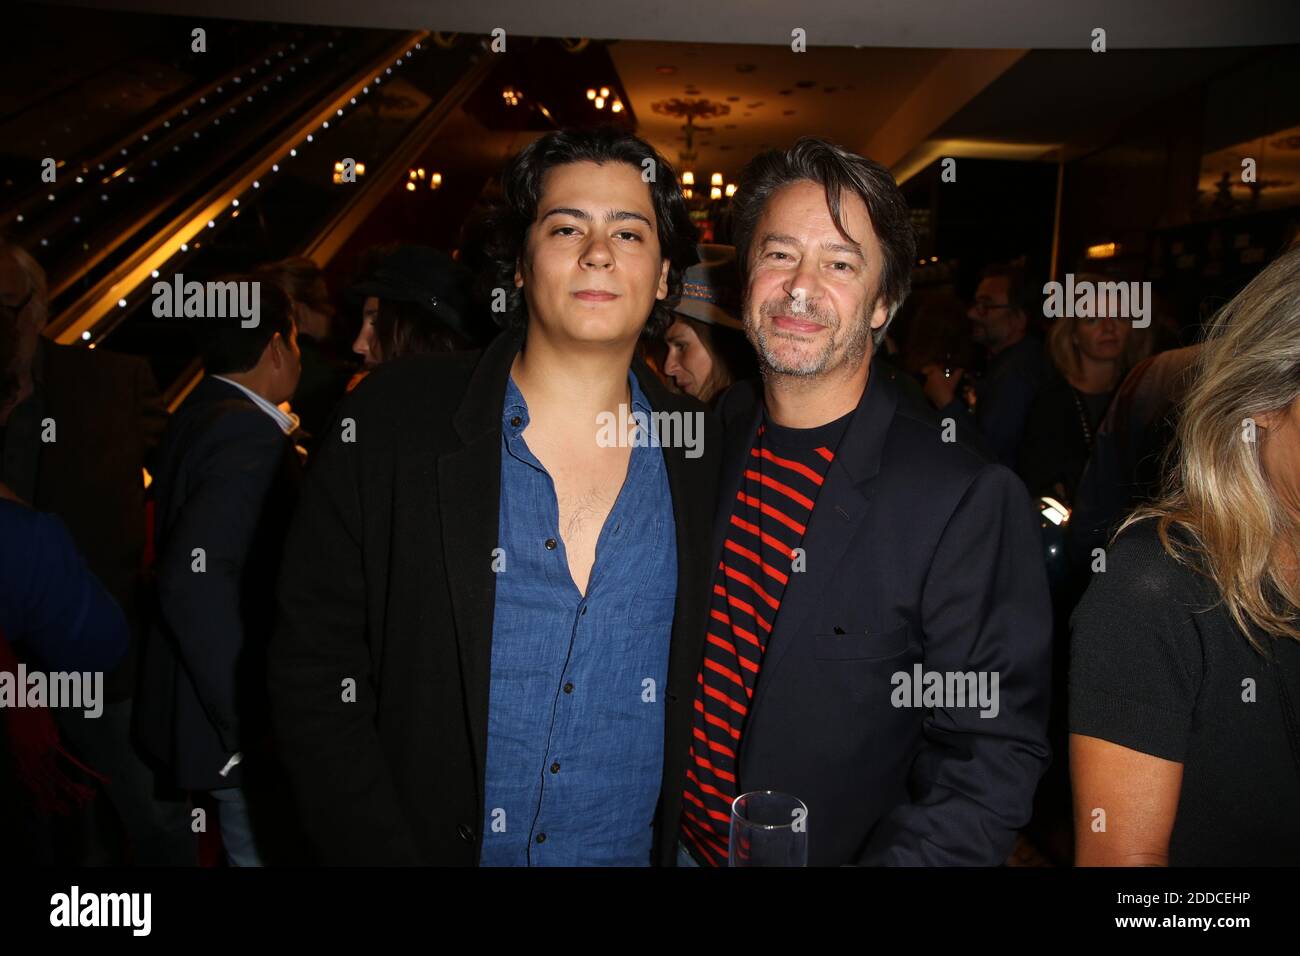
716	179
361	169
688	193
435	180
715	192
410	187
688	178
604	91
591	94
1104	250
731	189
600	102
617	107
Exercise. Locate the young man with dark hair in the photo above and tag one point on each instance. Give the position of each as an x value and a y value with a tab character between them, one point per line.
225	482
857	544
491	614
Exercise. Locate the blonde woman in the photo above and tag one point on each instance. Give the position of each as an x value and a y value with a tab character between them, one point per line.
1185	660
1090	357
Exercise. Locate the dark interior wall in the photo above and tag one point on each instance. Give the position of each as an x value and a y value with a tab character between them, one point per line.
994	211
1143	181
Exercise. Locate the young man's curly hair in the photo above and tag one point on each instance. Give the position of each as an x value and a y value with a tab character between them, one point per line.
501	225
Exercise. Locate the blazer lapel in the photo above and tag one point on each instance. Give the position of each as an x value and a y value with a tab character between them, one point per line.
692	514
740	429
838	513
469	500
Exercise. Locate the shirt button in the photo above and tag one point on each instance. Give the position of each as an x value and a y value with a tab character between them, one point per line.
555	767
541	838
516	421
550	544
568	688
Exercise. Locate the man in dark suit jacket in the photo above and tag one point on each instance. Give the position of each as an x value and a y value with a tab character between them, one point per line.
226	484
880	633
73	442
440	690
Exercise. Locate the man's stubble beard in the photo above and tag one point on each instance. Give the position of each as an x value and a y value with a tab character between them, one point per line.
857	345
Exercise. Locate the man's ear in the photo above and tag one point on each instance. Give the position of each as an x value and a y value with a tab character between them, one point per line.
662	291
879	313
274	346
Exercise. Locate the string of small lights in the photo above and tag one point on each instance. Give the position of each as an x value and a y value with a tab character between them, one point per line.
90	326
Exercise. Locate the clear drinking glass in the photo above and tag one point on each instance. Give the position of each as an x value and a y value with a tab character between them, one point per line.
768	829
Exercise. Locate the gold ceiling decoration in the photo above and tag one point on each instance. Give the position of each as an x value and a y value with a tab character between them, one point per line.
691	109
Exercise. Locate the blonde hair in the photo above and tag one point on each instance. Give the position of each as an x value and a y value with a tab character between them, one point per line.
1217	491
1065	354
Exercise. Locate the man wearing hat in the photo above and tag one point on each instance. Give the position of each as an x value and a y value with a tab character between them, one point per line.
706	343
413	300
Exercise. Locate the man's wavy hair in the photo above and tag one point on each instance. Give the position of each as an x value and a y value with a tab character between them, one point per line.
502	224
839	172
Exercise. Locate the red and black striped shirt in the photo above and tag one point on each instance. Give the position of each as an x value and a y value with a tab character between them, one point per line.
785	471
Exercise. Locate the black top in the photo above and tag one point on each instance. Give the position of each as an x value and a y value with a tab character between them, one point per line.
1056	445
1158	666
806	439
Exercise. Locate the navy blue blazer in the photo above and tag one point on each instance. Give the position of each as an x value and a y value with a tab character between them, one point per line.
919	552
226	480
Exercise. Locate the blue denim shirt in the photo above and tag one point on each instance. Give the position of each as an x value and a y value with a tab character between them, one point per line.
576	716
